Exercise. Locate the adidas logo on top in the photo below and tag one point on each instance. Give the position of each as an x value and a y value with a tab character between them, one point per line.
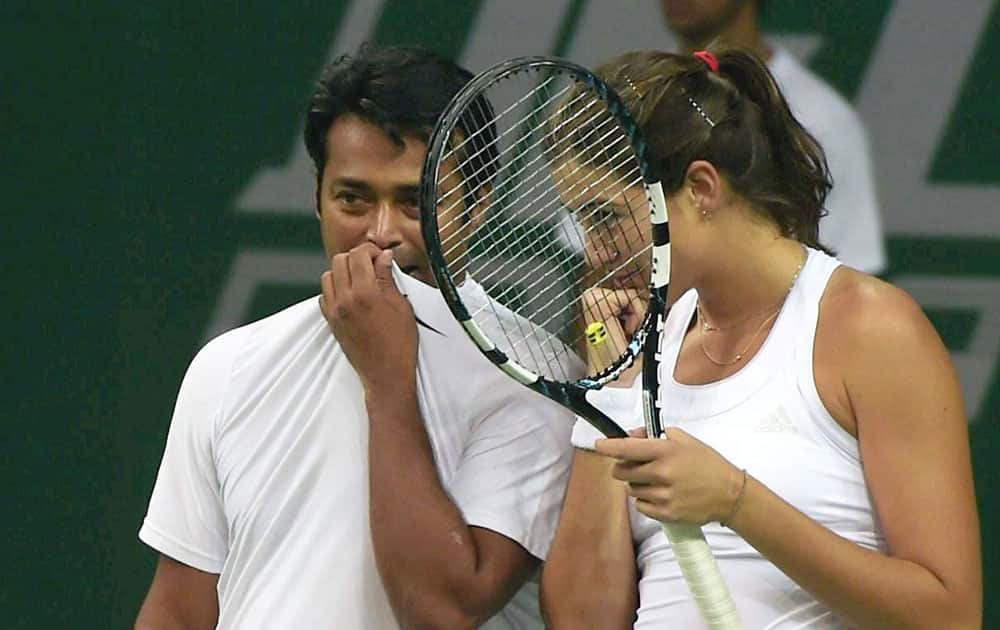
776	422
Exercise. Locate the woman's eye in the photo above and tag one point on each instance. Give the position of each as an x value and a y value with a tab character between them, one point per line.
601	217
595	214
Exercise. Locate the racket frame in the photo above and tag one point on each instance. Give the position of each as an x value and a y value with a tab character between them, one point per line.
569	394
688	542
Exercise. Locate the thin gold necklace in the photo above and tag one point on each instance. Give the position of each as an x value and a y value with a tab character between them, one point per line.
741	353
707	327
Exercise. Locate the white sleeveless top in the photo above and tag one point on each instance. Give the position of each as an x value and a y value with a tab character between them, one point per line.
768	419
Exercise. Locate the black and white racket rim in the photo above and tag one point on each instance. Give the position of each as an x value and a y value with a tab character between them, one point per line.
532	262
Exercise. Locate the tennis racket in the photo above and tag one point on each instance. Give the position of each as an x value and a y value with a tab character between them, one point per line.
542	222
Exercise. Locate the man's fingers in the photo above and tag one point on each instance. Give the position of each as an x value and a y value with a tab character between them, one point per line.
362	269
353	277
383	268
340	273
328	294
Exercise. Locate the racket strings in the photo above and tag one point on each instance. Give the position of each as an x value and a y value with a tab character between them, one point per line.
568	306
480	108
503	200
601	310
539	210
597	230
516	126
526	254
500	240
540	349
604	301
519	145
539	295
552	358
497	242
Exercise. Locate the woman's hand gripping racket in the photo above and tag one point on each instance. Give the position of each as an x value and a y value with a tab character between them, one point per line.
542	222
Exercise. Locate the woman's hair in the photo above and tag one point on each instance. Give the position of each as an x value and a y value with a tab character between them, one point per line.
737	119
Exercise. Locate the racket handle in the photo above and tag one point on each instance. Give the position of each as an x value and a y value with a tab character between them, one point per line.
702	574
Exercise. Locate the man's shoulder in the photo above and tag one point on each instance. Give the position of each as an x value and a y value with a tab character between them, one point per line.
812	99
451	359
252	339
529	343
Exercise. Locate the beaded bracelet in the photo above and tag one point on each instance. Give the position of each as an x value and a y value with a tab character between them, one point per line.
739	500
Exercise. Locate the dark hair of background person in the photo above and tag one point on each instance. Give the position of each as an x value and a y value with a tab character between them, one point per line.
765	154
403	91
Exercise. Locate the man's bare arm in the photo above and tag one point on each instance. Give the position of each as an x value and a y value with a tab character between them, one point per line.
180	598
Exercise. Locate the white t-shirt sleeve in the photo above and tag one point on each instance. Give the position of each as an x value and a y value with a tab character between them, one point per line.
622	404
514	471
185	519
852	226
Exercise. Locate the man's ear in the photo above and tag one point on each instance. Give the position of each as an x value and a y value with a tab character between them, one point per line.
317	177
479	208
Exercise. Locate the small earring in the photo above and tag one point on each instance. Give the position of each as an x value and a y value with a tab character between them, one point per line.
705	214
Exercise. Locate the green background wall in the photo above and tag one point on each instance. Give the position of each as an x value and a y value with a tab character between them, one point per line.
153	193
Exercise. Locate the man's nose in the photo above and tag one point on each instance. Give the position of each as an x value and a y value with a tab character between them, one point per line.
384	230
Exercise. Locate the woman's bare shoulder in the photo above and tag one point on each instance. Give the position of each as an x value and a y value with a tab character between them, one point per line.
858	306
873	326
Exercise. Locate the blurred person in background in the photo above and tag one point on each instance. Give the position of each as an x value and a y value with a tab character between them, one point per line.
853	226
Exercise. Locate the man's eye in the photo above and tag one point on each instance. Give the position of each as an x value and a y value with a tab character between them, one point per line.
410	207
348	197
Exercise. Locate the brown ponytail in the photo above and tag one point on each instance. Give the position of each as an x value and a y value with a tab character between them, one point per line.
736	119
797	157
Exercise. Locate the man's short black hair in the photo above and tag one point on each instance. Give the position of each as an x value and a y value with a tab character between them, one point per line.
403	91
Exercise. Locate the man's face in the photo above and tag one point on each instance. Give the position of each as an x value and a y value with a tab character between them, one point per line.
369	192
700	20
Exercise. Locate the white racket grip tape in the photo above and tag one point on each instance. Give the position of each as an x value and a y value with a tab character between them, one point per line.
695	558
702	575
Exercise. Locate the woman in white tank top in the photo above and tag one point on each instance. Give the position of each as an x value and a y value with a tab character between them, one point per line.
810	407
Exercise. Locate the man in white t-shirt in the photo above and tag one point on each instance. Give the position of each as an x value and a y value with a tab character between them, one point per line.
353	461
853	226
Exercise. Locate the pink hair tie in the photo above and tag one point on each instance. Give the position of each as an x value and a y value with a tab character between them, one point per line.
709	60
